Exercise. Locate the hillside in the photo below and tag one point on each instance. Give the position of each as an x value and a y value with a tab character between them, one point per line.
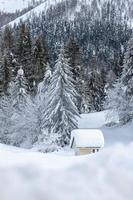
94	6
65	66
43	7
81	44
113	135
10	10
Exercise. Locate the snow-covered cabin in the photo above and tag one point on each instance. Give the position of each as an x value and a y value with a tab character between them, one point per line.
86	141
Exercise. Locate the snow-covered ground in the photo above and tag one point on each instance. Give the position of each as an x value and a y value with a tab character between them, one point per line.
28	175
112	136
108	175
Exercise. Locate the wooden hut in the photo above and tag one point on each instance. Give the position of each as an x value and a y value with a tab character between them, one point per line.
86	141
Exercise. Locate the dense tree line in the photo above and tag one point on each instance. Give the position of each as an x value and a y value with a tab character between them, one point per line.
119	100
102	38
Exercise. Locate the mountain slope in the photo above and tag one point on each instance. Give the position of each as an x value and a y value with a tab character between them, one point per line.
36	11
93	5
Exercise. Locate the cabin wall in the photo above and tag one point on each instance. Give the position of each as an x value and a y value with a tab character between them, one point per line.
85	151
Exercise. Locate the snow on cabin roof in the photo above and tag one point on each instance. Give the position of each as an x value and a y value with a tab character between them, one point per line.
87	138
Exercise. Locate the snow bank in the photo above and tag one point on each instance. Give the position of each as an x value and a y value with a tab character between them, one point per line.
107	175
34	176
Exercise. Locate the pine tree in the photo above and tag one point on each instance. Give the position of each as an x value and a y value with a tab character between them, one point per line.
127	78
12	105
1	76
7	64
61	112
6	118
120	98
110	80
95	83
74	54
44	138
8	39
86	101
44	85
18	91
116	104
40	54
8	57
26	128
24	54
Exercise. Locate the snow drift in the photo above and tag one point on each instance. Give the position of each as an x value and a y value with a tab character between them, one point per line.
26	175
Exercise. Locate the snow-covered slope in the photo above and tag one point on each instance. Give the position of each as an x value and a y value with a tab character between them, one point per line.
28	175
36	11
95	5
107	175
112	135
12	5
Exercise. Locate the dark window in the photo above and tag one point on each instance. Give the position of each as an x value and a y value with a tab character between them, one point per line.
93	151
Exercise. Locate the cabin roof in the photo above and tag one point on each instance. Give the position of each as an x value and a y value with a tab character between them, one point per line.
87	138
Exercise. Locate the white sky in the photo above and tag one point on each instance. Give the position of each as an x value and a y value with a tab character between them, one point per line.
13	5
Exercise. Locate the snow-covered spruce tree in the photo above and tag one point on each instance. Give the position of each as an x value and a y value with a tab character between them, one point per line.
86	101
61	113
120	98
43	86
1	76
110	80
116	104
8	56
25	128
95	83
24	54
16	98
73	52
46	142
6	118
6	102
8	39
18	91
127	78
8	69
40	59
40	99
7	109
